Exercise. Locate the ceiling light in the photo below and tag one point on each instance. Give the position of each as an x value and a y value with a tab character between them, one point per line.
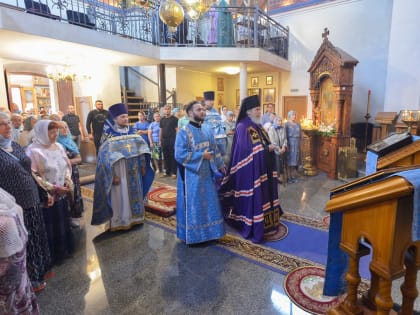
58	73
231	70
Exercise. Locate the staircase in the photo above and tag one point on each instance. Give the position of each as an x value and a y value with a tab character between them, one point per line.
134	105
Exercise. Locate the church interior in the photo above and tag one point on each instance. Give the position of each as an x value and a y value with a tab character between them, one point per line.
349	68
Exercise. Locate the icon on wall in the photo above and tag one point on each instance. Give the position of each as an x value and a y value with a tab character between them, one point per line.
269	95
254	81
220	84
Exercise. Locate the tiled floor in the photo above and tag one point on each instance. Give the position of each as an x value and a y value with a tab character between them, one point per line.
148	271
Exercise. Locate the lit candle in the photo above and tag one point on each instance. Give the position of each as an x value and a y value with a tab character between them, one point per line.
368	103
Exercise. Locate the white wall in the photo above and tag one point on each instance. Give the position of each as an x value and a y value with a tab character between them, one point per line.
104	84
362	29
192	84
403	76
3	89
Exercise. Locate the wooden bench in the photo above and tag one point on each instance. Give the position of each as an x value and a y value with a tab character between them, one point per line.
38	8
81	19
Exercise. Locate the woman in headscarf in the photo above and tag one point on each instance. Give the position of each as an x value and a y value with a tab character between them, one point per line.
16	294
52	170
25	137
293	131
16	178
278	137
66	140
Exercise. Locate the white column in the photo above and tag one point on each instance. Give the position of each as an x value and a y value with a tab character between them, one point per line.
3	89
243	79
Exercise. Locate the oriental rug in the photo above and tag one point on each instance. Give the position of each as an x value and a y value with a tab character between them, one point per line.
258	253
272	255
304	287
161	200
326	220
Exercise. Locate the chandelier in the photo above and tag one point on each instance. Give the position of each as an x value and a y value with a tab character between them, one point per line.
66	73
172	13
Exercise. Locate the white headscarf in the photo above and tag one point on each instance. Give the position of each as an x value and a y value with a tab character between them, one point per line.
13	234
41	132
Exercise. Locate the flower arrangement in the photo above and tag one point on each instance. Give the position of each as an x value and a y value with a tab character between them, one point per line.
307	124
326	130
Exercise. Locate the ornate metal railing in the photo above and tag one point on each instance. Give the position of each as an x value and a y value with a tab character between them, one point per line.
250	27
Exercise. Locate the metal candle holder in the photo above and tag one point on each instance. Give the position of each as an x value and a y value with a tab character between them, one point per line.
410	118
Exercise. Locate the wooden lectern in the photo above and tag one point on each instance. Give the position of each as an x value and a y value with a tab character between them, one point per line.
385	120
378	210
407	155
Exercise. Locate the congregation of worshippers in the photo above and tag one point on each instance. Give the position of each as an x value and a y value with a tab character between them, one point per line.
228	167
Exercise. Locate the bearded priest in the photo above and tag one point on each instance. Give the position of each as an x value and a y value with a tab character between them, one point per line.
249	191
123	174
200	165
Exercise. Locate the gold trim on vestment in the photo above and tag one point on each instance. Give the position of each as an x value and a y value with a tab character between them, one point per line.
126	227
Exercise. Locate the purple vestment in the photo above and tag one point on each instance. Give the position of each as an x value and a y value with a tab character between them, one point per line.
249	195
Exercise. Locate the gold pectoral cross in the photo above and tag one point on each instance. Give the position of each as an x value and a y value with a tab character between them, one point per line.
128	146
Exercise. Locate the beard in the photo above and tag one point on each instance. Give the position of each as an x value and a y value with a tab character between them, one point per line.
255	120
198	118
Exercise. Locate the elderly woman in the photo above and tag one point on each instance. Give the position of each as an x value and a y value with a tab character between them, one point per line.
230	131
52	169
16	294
66	140
16	178
293	131
278	137
25	137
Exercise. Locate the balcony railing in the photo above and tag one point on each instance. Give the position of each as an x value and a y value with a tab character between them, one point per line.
251	27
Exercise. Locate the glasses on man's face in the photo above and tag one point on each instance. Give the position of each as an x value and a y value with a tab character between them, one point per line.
4	124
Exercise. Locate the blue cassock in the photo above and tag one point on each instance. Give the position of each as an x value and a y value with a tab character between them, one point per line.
117	146
198	214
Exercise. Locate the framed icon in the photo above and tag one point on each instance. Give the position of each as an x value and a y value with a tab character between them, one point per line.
220	84
254	92
269	80
269	95
254	81
220	99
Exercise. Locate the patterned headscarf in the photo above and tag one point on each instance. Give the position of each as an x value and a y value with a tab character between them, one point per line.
68	143
275	124
290	113
41	132
13	234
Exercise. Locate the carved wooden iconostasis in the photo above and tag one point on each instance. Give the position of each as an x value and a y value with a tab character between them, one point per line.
331	89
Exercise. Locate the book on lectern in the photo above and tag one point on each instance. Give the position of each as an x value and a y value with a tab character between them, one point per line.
390	143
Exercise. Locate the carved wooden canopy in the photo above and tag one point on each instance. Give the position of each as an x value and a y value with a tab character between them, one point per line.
333	62
331	86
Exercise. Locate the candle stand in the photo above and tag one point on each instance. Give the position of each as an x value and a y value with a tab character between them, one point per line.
410	118
308	166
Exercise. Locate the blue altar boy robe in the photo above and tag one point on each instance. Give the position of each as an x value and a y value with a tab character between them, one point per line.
198	213
117	146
